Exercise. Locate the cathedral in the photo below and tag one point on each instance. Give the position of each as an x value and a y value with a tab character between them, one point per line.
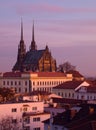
33	59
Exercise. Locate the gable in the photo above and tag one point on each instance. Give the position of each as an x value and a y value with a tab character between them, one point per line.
82	84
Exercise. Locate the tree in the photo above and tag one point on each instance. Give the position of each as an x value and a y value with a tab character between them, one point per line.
65	67
6	94
8	123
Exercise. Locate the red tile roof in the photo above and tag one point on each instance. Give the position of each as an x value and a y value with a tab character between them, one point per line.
51	74
12	74
47	74
40	74
69	85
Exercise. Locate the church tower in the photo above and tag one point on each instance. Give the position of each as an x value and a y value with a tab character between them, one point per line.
21	52
33	60
33	44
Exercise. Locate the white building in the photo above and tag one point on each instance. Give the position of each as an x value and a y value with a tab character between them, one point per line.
33	121
17	111
76	90
30	81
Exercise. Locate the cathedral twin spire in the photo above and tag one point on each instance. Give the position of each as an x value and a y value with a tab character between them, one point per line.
33	44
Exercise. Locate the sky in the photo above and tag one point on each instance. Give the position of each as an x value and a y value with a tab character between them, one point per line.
68	27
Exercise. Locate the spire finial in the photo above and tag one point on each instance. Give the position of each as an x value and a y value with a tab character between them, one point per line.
33	31
21	29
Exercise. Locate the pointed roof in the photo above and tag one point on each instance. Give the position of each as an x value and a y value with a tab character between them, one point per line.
33	44
21	30
33	32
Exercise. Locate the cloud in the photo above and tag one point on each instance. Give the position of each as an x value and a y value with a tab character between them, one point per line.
70	27
49	8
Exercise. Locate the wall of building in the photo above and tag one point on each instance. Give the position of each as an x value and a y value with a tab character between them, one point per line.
30	82
72	94
16	110
35	121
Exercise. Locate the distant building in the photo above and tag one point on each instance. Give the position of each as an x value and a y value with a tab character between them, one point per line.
76	89
76	75
25	82
34	59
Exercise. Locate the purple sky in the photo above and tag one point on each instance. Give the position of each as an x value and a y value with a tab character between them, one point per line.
68	27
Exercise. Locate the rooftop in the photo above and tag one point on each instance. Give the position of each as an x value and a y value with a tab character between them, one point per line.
39	74
69	85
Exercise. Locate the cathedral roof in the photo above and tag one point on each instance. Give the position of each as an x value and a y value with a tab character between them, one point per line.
33	56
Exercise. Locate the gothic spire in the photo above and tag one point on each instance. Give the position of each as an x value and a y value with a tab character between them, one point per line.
21	30
33	32
33	44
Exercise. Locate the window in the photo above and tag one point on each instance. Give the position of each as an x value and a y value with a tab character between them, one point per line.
27	128
34	83
25	83
43	83
3	82
7	82
25	109
59	93
50	82
15	83
77	96
34	108
69	95
14	109
11	82
38	128
14	120
25	90
87	97
27	120
19	89
37	83
36	119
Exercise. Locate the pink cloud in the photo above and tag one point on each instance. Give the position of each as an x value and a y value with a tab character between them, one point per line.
73	27
48	8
